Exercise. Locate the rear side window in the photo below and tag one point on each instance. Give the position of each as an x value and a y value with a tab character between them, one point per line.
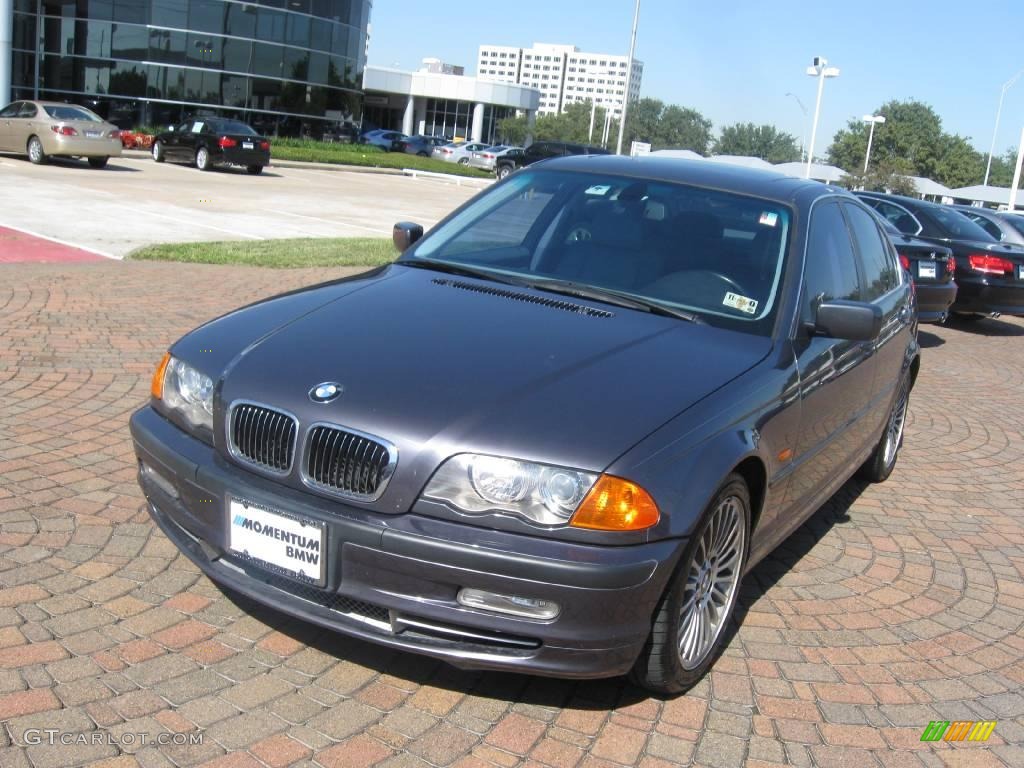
985	224
899	217
830	271
879	270
28	109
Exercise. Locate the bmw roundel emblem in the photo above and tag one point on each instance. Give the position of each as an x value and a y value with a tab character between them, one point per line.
324	393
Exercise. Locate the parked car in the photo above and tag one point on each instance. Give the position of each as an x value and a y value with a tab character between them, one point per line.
542	150
989	274
994	223
382	138
1014	218
419	145
487	158
588	402
208	142
44	129
458	152
930	266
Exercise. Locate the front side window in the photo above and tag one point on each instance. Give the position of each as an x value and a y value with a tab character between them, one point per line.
880	273
830	271
715	253
11	110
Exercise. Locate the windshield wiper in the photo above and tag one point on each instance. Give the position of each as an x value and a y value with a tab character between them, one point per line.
458	269
610	296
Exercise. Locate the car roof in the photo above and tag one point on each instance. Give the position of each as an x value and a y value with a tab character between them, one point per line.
722	176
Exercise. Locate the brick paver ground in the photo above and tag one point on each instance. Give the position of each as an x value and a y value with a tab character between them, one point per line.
893	606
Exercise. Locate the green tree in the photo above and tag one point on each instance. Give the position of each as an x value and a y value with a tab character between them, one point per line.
1001	173
885	176
665	126
764	141
572	124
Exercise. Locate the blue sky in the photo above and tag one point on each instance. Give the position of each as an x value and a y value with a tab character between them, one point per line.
735	61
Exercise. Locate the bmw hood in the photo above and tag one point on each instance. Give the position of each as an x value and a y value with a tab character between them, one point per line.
438	365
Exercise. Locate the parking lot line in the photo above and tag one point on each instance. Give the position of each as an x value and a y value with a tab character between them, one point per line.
194	223
22	249
375	230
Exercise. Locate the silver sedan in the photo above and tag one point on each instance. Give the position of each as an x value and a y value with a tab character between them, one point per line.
458	152
488	158
42	129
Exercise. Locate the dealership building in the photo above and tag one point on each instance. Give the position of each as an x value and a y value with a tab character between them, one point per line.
286	66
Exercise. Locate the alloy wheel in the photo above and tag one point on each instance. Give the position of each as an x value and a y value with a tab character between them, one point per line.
35	150
712	582
202	159
158	151
897	420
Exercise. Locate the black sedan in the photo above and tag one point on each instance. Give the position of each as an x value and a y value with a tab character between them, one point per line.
931	267
989	274
418	145
995	223
554	435
208	142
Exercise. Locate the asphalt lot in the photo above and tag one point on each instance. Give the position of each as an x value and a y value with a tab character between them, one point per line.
135	202
895	605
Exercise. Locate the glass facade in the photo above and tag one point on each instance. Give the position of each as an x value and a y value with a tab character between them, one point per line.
288	67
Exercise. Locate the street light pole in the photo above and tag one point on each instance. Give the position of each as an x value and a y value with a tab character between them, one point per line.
820	70
803	132
873	119
1016	174
1006	86
629	78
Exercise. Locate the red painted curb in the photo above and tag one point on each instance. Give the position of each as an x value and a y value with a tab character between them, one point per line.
17	246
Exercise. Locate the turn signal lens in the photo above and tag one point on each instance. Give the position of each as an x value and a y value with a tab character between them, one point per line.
157	387
904	261
264	145
614	504
226	142
951	266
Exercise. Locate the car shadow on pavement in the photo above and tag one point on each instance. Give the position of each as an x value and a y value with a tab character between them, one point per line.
929	340
67	162
986	326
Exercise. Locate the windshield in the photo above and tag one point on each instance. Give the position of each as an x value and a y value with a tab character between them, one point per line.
71	113
713	253
232	126
957	225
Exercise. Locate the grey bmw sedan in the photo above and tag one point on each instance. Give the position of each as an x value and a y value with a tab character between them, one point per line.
557	431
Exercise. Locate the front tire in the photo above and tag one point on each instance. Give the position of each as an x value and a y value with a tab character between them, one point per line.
699	603
36	153
463	161
882	460
254	170
158	152
98	162
203	159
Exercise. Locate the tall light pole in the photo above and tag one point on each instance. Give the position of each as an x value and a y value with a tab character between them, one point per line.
629	78
819	69
803	132
874	120
1006	86
1016	174
593	101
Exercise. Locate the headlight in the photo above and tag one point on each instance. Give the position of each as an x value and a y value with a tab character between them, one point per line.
185	390
478	484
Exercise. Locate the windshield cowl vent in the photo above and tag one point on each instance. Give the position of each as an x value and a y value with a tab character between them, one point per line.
529	298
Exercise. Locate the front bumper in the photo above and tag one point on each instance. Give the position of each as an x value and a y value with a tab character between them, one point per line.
934	301
393	579
984	295
80	146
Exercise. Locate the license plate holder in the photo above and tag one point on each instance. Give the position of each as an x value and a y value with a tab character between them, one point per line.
93	134
248	145
926	269
277	541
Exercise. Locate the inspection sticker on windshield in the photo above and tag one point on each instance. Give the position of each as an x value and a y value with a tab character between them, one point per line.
769	219
742	303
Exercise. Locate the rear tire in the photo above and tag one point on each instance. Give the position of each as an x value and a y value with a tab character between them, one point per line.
158	152
683	644
882	460
203	159
36	153
98	162
464	161
254	170
503	172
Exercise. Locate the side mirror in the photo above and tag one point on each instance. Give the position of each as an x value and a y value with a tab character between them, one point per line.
405	234
852	320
